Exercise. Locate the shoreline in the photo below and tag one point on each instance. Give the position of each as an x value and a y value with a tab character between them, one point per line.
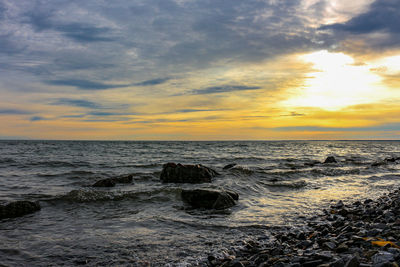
362	233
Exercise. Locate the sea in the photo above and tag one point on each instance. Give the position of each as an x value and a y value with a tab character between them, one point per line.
146	223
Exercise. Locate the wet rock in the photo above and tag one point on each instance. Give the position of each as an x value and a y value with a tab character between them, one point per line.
330	159
111	182
342	248
209	198
229	166
179	173
337	263
124	179
108	182
382	257
18	208
352	262
329	245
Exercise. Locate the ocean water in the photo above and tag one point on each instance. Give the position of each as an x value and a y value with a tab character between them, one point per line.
146	221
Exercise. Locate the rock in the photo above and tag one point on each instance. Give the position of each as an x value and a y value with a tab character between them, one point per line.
337	263
329	245
342	248
382	257
208	198
124	179
229	166
18	208
352	262
330	159
178	173
108	182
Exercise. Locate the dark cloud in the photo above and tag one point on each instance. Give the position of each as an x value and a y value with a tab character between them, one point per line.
105	113
152	82
85	84
37	118
80	32
3	10
223	89
383	16
9	46
14	112
76	103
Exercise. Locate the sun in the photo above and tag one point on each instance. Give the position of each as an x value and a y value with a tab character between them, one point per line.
335	82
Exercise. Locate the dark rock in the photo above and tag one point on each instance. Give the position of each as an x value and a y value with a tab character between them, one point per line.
382	257
312	263
18	208
337	263
342	248
330	159
125	179
329	245
229	166
233	194
178	173
352	262
208	198
108	182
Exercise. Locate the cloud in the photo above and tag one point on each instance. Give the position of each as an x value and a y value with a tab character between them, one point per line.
76	103
9	46
105	113
3	10
85	84
80	32
223	89
385	127
37	118
383	17
196	110
14	112
152	82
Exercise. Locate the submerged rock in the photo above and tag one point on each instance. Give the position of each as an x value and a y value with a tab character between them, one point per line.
229	166
210	198
179	173
18	208
110	182
330	159
124	179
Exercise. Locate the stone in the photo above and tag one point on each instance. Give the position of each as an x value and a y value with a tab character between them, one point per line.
179	173
352	262
18	208
382	257
229	166
329	245
209	198
108	182
330	159
124	179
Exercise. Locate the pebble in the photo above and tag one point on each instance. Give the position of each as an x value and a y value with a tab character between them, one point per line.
349	235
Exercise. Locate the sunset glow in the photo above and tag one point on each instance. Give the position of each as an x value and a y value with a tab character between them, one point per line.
195	70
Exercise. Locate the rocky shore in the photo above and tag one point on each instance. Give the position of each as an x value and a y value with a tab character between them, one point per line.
363	233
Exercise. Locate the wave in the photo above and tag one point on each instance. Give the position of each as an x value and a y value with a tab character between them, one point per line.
71	173
90	195
7	160
291	185
58	164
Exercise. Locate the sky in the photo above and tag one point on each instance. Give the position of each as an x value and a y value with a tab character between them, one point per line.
200	69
